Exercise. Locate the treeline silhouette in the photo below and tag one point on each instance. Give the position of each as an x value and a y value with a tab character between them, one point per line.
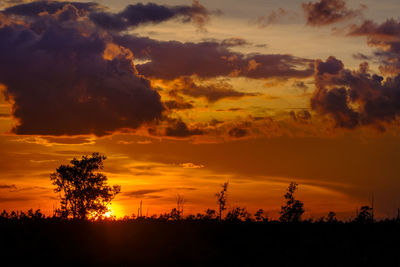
79	232
236	214
291	212
32	238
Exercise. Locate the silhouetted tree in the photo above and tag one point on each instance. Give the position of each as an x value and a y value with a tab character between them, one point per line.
293	209
260	217
365	215
82	191
221	199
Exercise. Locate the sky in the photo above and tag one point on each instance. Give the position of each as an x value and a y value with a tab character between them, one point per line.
182	96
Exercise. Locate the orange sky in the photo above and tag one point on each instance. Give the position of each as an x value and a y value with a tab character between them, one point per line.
255	94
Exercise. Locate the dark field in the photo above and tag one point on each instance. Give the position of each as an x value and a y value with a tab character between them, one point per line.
199	243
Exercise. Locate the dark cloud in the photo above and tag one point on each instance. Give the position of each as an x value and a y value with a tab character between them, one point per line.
143	192
181	130
273	17
331	66
215	122
145	167
238	132
14	199
64	78
354	98
231	109
361	56
302	115
147	173
79	77
390	27
385	37
138	14
261	45
300	84
2	115
210	59
212	92
327	12
32	188
8	3
232	42
8	186
33	9
172	104
235	109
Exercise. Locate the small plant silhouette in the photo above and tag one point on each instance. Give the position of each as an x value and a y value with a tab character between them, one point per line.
332	217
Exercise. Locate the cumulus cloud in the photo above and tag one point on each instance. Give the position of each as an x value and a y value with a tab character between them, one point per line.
326	12
385	37
65	78
66	73
355	98
138	14
331	66
210	59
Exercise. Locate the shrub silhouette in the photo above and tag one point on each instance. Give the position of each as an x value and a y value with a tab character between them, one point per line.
238	214
365	215
293	209
332	217
83	192
260	216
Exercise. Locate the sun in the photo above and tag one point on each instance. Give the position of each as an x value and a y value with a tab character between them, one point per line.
108	214
95	216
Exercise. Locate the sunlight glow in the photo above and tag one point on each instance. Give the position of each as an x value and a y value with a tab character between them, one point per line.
95	216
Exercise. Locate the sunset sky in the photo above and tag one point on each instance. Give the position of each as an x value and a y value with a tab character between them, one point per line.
183	96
